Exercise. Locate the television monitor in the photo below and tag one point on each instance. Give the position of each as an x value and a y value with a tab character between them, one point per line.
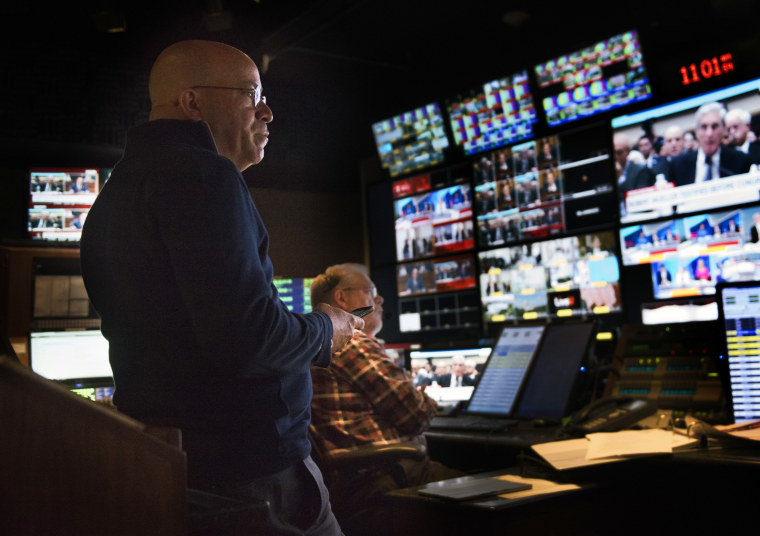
432	368
412	141
553	185
295	293
60	199
557	278
434	223
679	311
500	113
677	181
604	76
688	256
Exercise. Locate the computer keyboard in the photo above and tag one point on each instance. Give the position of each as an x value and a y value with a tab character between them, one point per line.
472	422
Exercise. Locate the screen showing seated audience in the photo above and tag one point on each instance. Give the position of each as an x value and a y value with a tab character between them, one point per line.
550	186
604	76
556	278
688	256
682	157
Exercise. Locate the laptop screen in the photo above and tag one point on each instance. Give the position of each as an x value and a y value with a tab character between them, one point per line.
505	371
69	355
739	307
555	371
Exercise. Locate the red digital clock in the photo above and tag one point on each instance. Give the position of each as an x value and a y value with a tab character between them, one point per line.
707	68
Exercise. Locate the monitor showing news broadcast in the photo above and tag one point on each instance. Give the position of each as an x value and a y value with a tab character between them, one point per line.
499	113
689	155
689	256
60	201
434	223
556	278
553	185
599	78
412	141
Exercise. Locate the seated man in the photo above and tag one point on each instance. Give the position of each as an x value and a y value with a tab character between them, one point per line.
364	398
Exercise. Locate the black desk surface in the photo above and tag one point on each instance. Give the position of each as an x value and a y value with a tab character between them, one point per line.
700	490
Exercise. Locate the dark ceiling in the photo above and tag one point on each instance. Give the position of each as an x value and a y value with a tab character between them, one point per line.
332	67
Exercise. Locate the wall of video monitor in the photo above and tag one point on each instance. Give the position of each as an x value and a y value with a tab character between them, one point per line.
583	194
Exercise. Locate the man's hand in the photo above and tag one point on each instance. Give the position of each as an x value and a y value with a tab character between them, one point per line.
343	323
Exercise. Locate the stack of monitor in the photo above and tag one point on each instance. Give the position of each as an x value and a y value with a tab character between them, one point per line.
555	215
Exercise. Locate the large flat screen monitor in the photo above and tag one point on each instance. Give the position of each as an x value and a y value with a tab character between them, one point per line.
412	141
604	76
703	161
499	113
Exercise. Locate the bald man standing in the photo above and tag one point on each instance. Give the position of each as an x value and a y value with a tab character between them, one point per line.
175	260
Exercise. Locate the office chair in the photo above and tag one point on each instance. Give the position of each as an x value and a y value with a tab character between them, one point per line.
351	475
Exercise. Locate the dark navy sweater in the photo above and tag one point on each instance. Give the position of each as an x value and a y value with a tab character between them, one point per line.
175	260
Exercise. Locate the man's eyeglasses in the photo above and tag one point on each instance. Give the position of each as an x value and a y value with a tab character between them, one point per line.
253	93
372	291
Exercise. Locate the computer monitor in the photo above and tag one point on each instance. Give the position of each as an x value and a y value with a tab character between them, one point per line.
739	320
555	373
76	359
439	362
295	293
502	379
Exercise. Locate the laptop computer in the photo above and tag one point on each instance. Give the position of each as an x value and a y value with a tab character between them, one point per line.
76	359
535	371
739	321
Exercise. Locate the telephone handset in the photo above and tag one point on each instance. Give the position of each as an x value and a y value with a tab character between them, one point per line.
610	414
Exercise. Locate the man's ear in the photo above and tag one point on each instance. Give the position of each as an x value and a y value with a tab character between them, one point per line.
188	103
339	297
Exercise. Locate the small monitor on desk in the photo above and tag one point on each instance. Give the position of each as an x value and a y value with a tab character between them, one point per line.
504	374
433	368
77	359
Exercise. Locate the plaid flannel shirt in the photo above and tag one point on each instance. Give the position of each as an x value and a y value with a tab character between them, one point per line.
364	398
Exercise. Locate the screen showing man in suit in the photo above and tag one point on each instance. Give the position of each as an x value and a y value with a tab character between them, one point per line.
715	172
